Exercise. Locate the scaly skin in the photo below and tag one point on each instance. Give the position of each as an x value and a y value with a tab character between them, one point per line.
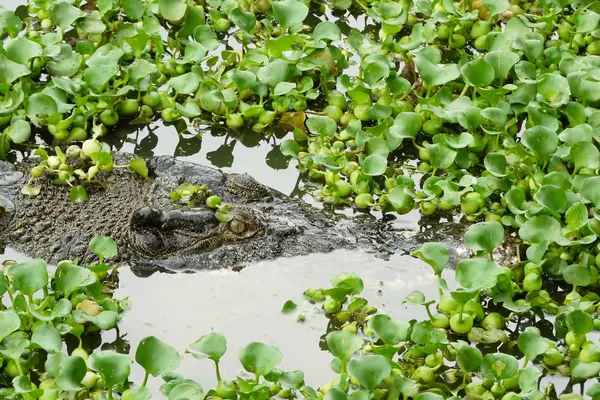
153	233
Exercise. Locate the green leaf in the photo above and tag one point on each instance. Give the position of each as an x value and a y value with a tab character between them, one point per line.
423	333
580	322
274	72
68	371
495	163
540	228
194	52
65	67
542	141
375	72
9	23
140	68
369	370
326	30
289	13
406	125
290	147
259	358
578	275
78	194
478	72
552	197
350	282
48	338
585	155
41	105
9	323
245	20
555	89
590	189
106	320
156	357
172	10
321	125
468	358
502	62
11	71
103	246
434	74
138	165
289	307
139	393
185	84
64	14
343	344
19	131
434	254
243	79
21	50
213	345
496	6
499	366
283	88
29	276
114	368
583	371
531	343
485	236
441	156
389	330
374	165
70	277
108	55
479	273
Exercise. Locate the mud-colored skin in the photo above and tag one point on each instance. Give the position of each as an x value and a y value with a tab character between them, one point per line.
155	234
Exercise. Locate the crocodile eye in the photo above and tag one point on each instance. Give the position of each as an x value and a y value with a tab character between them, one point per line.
237	226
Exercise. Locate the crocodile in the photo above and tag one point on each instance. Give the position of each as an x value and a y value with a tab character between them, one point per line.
155	234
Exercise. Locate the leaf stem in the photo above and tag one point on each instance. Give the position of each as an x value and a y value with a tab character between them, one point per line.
145	379
218	372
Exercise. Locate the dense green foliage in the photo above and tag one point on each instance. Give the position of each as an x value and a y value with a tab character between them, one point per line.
494	103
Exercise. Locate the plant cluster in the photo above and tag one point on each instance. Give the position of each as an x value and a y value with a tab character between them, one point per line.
490	338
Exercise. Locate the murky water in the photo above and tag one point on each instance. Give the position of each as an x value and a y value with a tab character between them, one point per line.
246	306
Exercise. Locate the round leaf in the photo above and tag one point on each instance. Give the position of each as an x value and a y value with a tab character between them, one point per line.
259	358
213	345
540	228
531	343
369	370
103	246
343	344
478	273
19	131
434	254
156	357
374	165
28	276
48	338
390	331
478	72
499	366
485	236
114	368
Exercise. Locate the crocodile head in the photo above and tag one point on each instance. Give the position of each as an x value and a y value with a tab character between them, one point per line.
156	233
163	235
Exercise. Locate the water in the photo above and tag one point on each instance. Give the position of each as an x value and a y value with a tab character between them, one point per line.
245	307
